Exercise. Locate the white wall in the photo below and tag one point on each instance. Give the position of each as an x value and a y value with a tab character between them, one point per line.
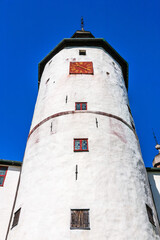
7	194
112	180
154	179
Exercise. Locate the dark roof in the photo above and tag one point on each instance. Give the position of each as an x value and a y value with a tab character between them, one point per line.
9	162
154	169
82	34
85	42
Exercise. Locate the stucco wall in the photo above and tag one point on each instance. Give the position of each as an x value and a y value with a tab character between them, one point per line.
7	194
112	180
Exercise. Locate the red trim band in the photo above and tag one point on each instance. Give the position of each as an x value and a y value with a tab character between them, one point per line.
77	112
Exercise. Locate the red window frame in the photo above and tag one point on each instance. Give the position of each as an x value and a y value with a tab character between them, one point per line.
81	150
80	106
4	175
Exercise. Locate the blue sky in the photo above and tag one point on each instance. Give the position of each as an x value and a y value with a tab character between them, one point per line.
30	29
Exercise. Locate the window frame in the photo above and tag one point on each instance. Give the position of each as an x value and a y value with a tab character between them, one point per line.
80	106
85	211
16	218
4	176
80	150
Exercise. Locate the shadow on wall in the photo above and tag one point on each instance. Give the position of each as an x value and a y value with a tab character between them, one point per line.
14	168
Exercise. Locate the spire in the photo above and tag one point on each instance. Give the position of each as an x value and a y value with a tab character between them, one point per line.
154	137
156	160
82	33
82	24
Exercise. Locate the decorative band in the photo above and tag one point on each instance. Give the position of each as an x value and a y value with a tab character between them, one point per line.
77	112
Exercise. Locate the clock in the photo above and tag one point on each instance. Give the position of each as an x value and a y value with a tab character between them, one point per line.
81	68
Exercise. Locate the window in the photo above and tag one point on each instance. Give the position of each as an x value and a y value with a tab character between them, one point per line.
80	219
82	52
150	214
3	172
81	106
16	218
80	145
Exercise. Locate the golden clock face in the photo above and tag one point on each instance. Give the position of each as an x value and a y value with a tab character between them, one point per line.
81	68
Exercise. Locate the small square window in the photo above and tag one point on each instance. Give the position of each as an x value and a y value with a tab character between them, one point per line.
80	219
80	145
150	214
81	106
82	52
16	218
3	172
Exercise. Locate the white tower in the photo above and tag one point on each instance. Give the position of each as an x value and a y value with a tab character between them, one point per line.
83	177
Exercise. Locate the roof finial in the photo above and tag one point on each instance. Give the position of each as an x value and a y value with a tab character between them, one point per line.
82	24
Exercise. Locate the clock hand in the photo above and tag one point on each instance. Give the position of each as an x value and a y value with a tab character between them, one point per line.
82	67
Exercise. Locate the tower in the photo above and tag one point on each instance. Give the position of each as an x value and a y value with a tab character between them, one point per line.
83	175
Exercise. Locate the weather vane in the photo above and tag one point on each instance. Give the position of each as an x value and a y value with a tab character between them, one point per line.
82	24
155	137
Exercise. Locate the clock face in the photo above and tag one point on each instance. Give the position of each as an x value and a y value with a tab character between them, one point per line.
81	68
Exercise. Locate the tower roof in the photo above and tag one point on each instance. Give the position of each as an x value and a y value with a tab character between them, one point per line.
86	39
82	34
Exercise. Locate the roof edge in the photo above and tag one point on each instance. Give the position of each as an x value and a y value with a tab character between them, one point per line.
152	169
97	42
10	162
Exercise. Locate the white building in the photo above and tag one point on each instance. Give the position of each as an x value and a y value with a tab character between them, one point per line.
154	180
83	175
9	176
